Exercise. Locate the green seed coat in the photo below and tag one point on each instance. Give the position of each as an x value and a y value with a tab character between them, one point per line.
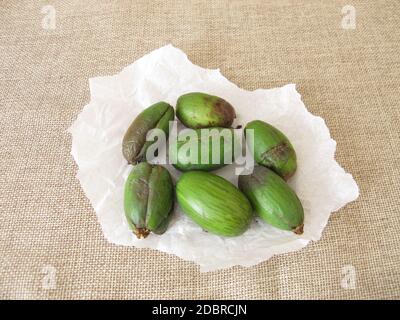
200	110
273	199
148	199
134	144
214	203
272	149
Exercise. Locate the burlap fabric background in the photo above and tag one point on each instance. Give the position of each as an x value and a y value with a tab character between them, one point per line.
349	77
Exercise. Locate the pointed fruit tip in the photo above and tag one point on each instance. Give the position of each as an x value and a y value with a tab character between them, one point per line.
142	233
299	229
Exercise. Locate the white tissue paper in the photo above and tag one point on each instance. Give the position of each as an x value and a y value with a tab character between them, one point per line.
163	75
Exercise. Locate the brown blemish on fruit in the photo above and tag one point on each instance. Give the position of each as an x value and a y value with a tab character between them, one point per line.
279	152
226	111
286	177
276	159
143	192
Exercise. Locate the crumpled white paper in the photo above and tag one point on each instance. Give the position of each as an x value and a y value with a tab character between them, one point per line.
165	74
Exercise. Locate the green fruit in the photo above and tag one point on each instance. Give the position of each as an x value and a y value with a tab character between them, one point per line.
272	149
134	144
272	198
148	199
200	110
214	203
208	149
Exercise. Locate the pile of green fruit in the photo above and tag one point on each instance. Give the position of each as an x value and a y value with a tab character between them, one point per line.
212	202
